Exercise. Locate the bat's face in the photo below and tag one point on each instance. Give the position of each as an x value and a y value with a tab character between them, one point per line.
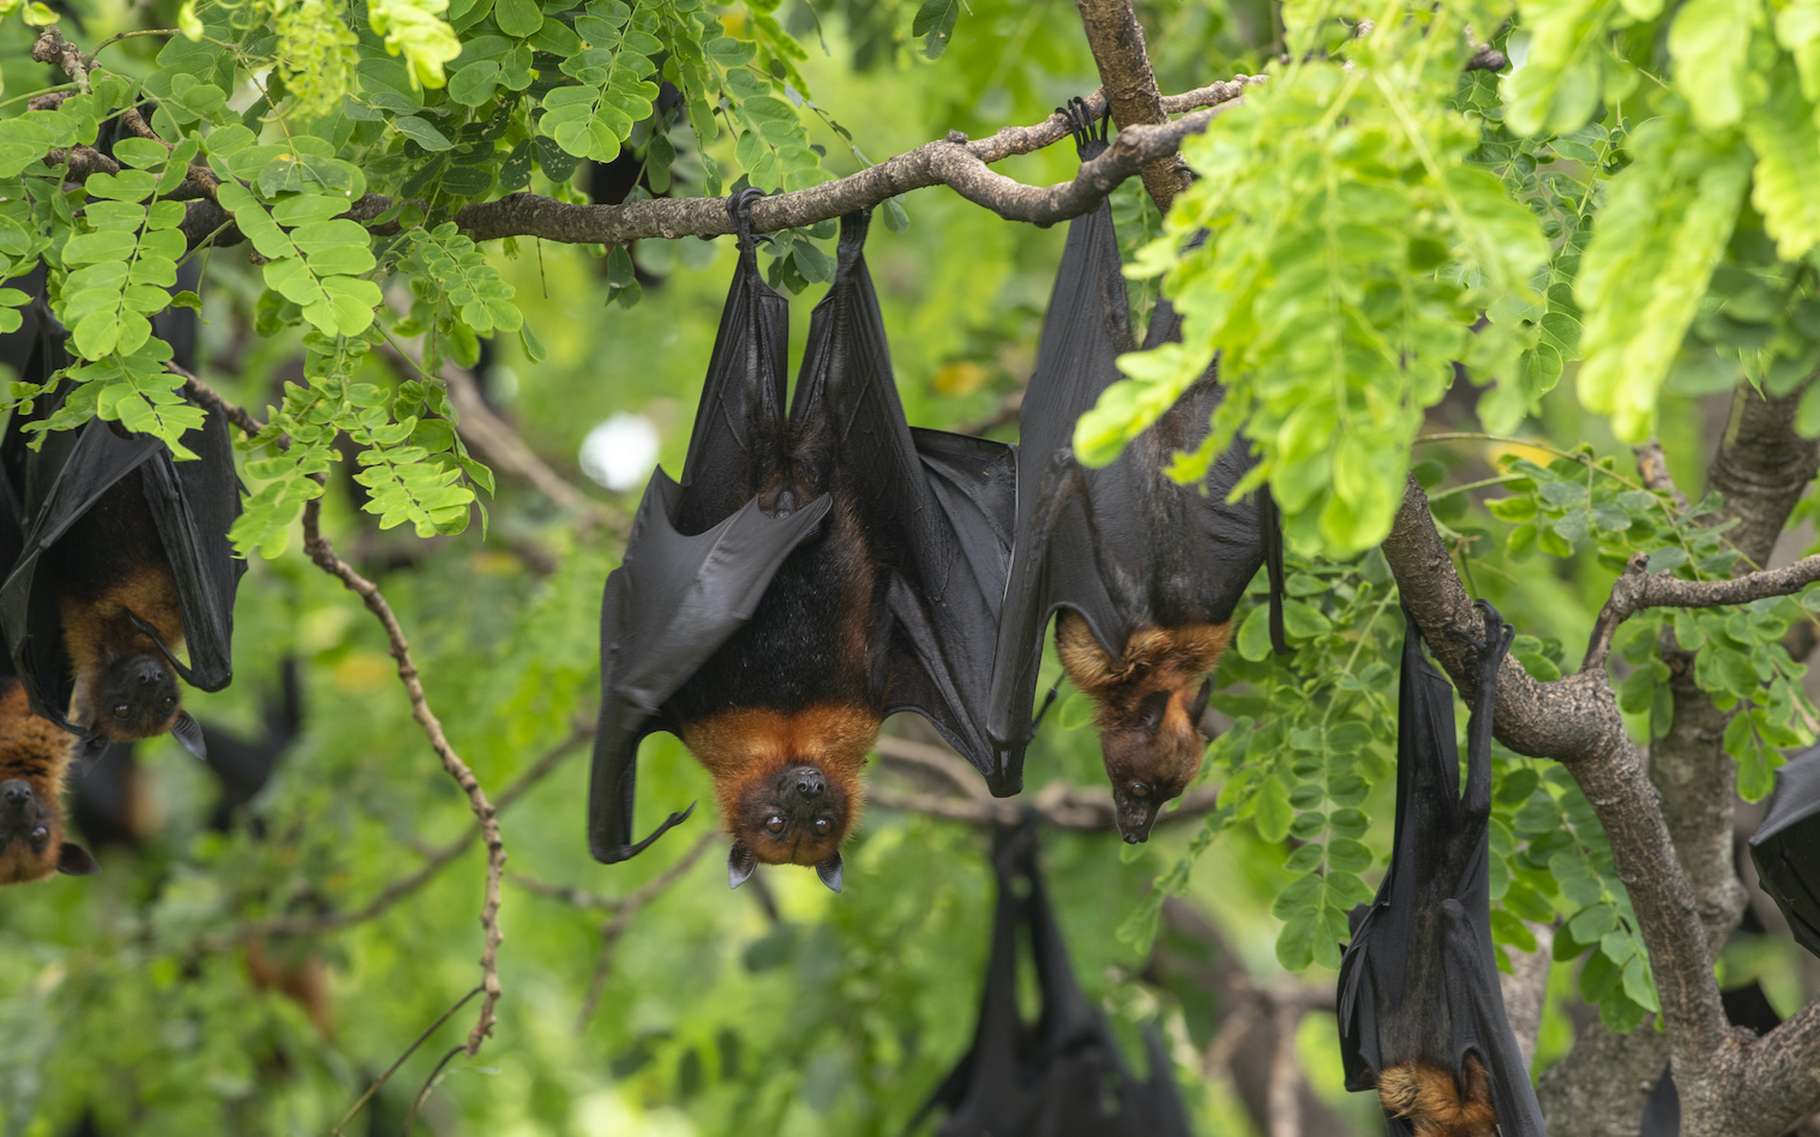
1152	750
136	697
31	837
797	815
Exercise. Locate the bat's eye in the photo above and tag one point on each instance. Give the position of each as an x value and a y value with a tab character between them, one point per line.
122	711
774	824
1139	790
169	702
823	826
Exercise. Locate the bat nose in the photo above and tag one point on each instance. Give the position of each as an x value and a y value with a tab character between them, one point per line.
148	673
809	782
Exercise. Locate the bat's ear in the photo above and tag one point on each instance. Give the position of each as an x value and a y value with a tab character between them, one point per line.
830	871
74	860
1151	709
187	731
740	864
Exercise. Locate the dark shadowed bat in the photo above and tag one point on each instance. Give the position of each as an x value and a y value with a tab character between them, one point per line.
1062	1075
1421	1016
1144	571
1786	848
816	570
125	560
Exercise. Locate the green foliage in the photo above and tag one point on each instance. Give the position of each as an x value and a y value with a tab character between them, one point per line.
593	119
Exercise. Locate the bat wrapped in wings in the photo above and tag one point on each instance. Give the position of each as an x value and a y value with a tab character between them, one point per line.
1421	1015
816	570
1063	1074
125	560
1143	571
1786	848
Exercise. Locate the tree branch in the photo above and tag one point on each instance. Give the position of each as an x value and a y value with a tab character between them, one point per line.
1636	590
1576	720
1063	806
1117	41
323	554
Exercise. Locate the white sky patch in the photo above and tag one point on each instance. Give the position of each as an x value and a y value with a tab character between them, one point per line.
620	452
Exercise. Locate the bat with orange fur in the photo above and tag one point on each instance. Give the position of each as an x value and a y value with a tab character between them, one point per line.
819	567
125	563
1421	1015
34	757
1141	572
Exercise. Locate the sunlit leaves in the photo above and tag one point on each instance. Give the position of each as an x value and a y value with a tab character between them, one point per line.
1708	41
316	56
1654	246
415	30
1784	132
1348	252
1555	84
312	259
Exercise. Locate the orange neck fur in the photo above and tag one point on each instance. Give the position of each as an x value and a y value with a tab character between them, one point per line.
36	751
1153	658
1427	1096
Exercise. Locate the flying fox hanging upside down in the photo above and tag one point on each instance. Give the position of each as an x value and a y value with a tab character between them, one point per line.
815	571
34	756
1141	572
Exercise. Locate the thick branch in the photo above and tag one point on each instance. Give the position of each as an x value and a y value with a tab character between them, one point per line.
1576	720
1063	806
1117	41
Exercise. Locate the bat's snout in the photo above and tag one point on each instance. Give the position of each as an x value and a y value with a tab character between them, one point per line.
16	798
808	783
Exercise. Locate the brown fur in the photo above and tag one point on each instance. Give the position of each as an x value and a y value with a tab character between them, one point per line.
1428	1098
744	746
96	631
36	751
304	982
1175	660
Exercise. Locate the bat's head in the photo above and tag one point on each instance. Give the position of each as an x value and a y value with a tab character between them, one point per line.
31	836
136	697
798	816
1152	749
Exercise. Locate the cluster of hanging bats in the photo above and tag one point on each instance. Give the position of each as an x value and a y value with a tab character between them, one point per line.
820	566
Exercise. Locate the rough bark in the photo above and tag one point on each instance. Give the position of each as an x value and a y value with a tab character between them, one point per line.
1117	40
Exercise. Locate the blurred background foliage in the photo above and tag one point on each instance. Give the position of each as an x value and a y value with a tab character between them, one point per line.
127	1002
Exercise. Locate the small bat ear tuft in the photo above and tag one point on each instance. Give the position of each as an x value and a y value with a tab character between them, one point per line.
740	864
830	871
74	860
187	731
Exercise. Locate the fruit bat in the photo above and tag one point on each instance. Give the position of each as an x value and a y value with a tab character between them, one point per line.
1062	1075
1420	1012
1144	571
125	559
1745	1006
1786	848
815	571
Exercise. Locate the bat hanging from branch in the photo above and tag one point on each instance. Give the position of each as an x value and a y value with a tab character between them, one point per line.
818	568
1143	571
1421	1015
1062	1074
124	560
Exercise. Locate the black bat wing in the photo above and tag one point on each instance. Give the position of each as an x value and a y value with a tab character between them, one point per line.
1419	979
1124	545
984	1091
700	555
1786	848
1166	1116
63	481
670	605
936	506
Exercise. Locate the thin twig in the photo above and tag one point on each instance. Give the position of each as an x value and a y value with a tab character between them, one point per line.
323	554
626	909
429	1083
361	1101
1637	589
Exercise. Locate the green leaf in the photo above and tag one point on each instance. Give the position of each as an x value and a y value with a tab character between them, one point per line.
1708	41
419	130
1659	236
1784	130
934	25
1273	813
